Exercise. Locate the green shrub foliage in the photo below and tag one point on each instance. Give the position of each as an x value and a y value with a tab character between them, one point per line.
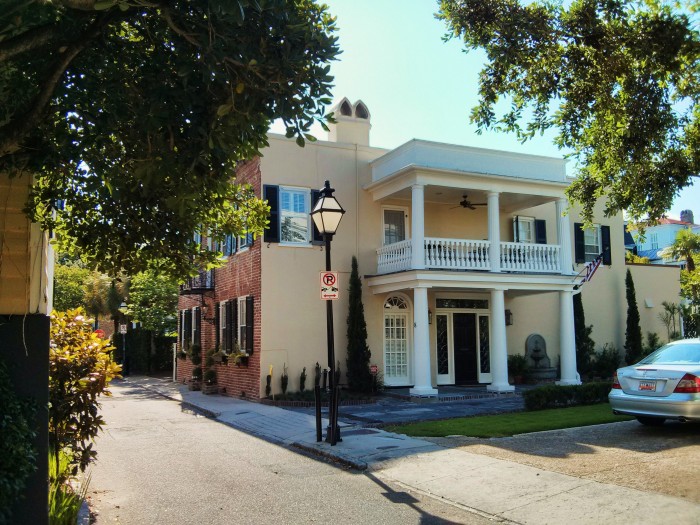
358	374
606	361
559	396
17	433
80	370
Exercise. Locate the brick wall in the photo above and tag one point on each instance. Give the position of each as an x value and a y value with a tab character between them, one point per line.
238	277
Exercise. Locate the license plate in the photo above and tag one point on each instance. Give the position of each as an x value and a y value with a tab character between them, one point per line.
647	385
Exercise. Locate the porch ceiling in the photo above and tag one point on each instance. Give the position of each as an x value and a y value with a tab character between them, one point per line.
451	197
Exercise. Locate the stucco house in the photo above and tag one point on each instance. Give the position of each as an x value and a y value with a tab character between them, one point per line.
465	253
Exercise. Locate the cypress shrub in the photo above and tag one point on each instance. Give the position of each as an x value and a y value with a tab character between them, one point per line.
358	353
633	333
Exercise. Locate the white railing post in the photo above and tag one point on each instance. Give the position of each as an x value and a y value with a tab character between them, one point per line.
418	227
494	232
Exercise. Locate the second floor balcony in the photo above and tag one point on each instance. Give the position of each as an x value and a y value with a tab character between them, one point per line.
203	282
469	254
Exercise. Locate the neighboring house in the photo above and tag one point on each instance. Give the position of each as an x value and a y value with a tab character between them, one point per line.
26	293
464	253
663	235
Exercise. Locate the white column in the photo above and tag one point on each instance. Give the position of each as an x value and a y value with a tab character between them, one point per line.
494	232
567	340
417	227
499	346
564	237
421	346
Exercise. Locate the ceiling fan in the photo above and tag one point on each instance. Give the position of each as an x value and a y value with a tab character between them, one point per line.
467	204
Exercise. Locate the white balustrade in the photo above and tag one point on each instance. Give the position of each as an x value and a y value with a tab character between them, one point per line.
394	257
527	257
467	254
456	254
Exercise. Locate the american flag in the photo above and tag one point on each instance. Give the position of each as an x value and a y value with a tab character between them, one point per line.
591	267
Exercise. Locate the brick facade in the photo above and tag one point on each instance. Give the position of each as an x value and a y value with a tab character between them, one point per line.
238	277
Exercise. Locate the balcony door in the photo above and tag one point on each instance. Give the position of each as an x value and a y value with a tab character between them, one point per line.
395	224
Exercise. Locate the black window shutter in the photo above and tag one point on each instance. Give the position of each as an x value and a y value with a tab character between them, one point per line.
272	196
227	330
540	231
317	236
250	317
605	245
217	325
579	246
516	229
181	319
198	326
187	314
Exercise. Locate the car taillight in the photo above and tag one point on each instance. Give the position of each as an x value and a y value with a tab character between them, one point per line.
616	382
689	384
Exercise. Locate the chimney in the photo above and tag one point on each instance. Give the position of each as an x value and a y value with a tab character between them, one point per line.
687	216
352	123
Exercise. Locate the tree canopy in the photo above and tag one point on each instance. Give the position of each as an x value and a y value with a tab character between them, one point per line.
131	116
619	81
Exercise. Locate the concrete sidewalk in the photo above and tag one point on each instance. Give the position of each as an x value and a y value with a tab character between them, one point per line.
504	490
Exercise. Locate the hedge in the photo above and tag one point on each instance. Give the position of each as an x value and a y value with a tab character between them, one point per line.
558	396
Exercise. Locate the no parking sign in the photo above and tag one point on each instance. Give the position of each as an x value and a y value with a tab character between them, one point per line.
329	286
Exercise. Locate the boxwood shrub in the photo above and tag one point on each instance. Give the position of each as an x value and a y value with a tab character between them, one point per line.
558	396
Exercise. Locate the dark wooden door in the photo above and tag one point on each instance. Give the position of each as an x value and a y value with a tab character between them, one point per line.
464	340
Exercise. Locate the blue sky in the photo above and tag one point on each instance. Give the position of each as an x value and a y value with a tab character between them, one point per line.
417	86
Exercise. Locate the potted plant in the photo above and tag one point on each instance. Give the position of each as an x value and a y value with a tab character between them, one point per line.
209	386
517	368
196	380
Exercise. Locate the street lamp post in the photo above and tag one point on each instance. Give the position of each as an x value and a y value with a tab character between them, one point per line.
122	329
326	216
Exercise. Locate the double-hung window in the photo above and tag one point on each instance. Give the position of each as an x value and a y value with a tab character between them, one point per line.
591	242
294	216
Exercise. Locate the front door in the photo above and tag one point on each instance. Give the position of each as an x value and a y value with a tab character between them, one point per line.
464	338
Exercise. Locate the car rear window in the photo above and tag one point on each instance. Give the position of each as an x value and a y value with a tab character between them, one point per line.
674	354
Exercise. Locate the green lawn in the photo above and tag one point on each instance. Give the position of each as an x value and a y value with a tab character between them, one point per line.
503	425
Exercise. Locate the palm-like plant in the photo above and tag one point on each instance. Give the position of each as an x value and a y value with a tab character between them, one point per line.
686	244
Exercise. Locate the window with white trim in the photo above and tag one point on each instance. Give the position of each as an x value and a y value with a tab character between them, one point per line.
295	226
395	339
242	327
654	240
222	325
394	225
524	228
591	243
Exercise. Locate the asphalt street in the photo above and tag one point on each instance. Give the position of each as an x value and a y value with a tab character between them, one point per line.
160	464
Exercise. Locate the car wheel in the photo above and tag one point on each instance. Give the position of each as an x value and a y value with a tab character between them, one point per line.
651	421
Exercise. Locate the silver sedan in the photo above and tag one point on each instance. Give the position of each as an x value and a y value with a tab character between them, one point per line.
663	385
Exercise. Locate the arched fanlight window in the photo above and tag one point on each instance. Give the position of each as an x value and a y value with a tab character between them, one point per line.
396	302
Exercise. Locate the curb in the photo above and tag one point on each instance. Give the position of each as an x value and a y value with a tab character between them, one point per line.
336	458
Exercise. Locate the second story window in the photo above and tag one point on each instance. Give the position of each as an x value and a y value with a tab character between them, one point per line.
290	223
294	216
394	225
591	242
654	240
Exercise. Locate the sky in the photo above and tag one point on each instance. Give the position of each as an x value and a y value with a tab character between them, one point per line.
417	86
